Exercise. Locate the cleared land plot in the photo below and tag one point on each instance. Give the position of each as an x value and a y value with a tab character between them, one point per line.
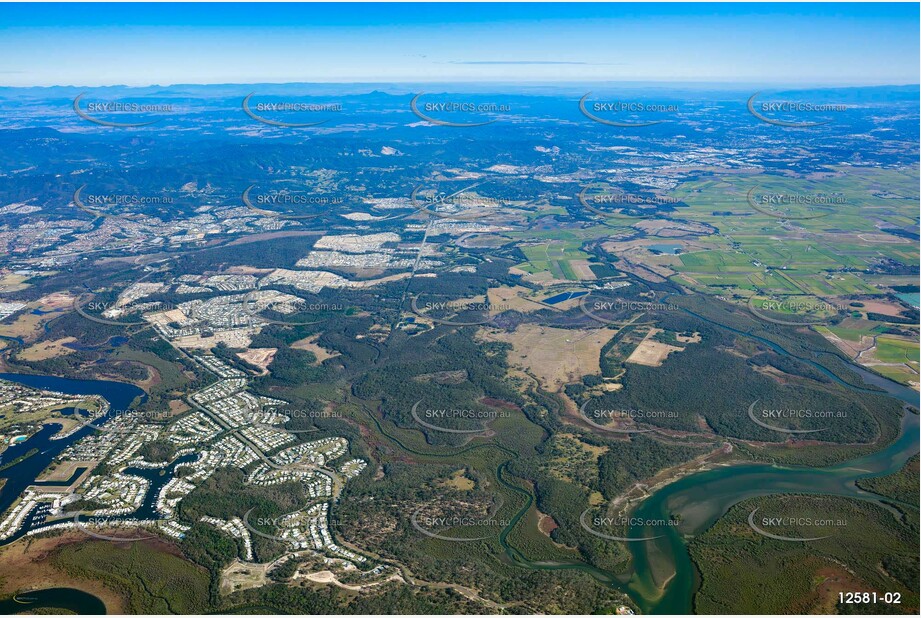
650	352
310	344
511	299
29	325
554	257
881	307
892	350
64	472
239	338
556	356
10	282
260	357
47	349
851	342
243	576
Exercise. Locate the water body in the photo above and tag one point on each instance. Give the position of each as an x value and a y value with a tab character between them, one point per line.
70	599
563	296
17	340
158	477
912	298
899	391
699	498
120	396
702	498
668	249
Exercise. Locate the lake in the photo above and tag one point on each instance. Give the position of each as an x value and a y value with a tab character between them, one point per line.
120	395
912	298
69	599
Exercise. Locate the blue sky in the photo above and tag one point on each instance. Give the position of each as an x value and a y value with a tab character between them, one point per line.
144	44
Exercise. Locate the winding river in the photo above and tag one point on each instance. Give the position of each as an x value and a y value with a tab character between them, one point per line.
699	498
663	578
702	498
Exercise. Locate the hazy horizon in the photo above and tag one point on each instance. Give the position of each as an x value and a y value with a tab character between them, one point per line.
560	85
